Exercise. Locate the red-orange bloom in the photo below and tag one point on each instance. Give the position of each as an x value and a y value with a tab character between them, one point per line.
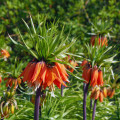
110	92
86	71
95	93
40	73
101	41
100	78
101	96
5	53
105	92
12	81
86	74
94	76
73	63
84	63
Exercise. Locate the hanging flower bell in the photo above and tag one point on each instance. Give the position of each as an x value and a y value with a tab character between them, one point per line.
40	73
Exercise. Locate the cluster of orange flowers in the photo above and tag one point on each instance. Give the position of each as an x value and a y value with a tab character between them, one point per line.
39	73
92	75
72	62
12	81
4	54
97	93
101	93
101	41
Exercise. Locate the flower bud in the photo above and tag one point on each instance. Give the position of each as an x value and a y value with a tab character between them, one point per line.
101	97
97	94
108	91
12	108
8	94
105	92
19	80
6	110
112	93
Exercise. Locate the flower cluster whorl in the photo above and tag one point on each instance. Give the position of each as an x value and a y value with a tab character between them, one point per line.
92	75
97	92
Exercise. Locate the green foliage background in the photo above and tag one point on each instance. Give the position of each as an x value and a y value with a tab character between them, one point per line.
78	16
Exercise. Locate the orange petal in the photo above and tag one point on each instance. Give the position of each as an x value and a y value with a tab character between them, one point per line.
101	97
97	94
63	73
94	76
88	74
56	82
11	82
36	71
84	63
29	72
100	78
50	76
15	84
26	69
112	93
43	72
8	82
105	92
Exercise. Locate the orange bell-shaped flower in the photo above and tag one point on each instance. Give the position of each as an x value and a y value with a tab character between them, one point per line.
97	94
105	92
93	93
84	63
88	74
92	41
73	63
4	53
94	76
101	41
101	96
100	78
40	73
109	91
112	93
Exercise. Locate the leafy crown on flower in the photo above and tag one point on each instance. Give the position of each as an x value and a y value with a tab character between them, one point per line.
47	47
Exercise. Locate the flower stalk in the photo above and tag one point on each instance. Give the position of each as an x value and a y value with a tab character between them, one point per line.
94	109
84	100
90	104
37	103
62	88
